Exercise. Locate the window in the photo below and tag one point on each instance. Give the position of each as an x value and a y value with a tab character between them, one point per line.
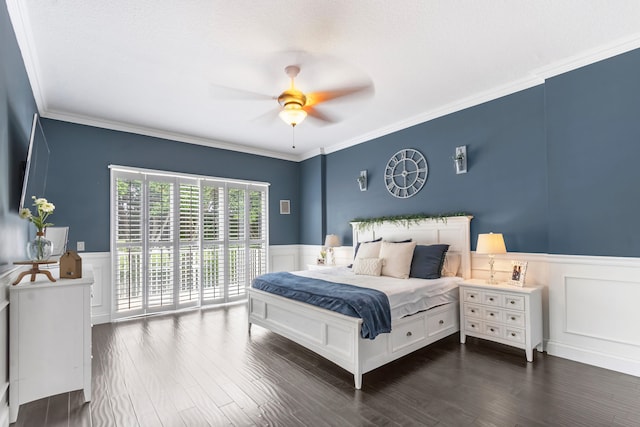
181	241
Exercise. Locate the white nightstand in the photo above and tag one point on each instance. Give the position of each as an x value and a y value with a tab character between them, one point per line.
502	313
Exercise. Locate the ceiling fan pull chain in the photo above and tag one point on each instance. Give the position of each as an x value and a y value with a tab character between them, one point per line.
293	136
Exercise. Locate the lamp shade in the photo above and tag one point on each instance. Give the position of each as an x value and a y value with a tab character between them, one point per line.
491	243
292	114
332	241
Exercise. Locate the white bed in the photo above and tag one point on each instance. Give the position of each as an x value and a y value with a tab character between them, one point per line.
337	337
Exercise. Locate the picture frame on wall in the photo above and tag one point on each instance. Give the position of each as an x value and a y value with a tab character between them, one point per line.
518	273
285	207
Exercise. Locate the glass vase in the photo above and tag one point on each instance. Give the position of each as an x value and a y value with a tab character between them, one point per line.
39	249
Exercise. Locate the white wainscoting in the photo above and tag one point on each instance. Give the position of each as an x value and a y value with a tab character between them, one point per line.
101	288
590	307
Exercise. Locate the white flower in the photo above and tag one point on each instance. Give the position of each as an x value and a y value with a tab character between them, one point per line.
47	207
38	201
25	213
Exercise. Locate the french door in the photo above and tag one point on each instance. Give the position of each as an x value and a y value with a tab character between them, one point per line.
182	241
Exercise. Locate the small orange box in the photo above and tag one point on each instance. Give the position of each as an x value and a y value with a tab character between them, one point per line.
70	265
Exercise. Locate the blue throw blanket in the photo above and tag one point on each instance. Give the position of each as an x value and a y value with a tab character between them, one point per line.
370	305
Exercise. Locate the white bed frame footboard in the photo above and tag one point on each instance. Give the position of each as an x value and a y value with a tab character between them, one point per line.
336	337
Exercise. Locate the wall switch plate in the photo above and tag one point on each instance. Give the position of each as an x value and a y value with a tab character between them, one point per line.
80	246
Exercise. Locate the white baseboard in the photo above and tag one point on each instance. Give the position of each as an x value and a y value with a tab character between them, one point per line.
595	358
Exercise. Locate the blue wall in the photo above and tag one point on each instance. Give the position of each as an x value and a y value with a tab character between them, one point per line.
17	107
593	135
79	176
505	188
552	167
312	200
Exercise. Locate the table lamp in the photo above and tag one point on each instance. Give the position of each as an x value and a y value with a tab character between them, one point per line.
330	242
491	244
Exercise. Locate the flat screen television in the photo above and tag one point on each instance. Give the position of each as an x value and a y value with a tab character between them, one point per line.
37	166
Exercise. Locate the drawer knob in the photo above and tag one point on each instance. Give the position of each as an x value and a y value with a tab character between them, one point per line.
513	334
409	334
473	311
513	318
441	322
492	330
512	302
490	299
473	326
491	314
472	296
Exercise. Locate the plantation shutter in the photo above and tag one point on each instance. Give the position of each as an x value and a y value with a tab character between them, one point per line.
128	280
182	241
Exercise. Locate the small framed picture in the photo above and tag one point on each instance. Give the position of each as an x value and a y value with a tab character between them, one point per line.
518	271
285	207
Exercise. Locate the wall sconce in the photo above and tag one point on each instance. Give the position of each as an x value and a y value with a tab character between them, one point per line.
460	159
362	180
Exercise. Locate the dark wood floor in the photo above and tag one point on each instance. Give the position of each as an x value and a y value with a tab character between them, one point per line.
201	368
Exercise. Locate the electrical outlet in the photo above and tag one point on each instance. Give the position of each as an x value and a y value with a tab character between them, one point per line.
80	246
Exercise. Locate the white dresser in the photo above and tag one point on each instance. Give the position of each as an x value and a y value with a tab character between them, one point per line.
502	313
49	338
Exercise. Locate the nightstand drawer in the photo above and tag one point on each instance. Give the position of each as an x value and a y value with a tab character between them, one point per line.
492	314
472	310
514	318
514	302
472	296
494	330
492	298
516	335
473	326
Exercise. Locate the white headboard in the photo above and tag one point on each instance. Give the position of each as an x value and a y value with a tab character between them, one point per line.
453	230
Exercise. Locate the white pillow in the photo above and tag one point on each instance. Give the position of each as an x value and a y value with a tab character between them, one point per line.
367	266
451	265
369	250
397	259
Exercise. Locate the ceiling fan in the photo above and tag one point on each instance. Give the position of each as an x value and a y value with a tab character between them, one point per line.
297	105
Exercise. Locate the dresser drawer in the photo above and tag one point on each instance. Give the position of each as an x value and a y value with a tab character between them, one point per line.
407	334
472	310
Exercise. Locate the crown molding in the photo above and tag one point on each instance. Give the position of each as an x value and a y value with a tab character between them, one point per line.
171	136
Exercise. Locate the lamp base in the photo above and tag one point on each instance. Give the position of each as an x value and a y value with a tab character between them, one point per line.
492	279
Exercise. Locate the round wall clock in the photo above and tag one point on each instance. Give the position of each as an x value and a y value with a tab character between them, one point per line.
406	173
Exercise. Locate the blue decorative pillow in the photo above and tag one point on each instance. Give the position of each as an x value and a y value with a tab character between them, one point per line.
427	261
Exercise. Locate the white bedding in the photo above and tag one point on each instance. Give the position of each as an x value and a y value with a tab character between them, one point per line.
406	296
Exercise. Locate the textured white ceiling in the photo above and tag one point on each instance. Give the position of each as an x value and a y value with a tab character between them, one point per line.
168	68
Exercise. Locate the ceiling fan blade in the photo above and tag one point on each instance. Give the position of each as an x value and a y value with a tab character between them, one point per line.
231	93
315	98
318	115
267	117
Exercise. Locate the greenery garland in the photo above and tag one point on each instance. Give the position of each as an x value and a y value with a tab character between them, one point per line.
406	220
